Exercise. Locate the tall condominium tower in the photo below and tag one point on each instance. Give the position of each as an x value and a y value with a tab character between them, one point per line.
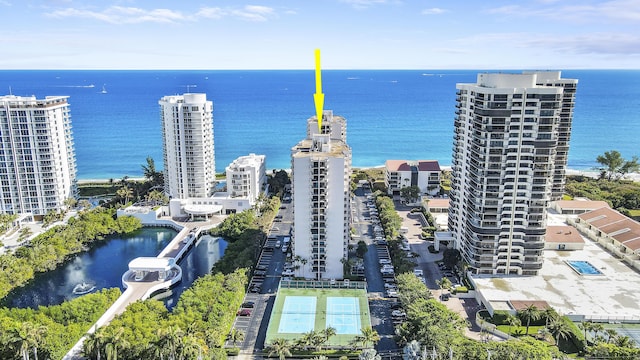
187	131
321	170
552	78
37	156
508	131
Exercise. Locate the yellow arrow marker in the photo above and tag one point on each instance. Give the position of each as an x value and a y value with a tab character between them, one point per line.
318	97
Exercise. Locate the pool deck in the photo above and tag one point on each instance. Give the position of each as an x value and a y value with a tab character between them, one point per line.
610	297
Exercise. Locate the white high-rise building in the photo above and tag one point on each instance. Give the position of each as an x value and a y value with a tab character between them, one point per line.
508	131
37	156
246	177
321	171
187	131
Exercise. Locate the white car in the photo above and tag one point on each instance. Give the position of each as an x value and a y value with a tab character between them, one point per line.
288	272
398	313
384	261
418	272
392	293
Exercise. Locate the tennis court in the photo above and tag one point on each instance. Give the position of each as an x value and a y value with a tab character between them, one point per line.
343	314
298	314
300	310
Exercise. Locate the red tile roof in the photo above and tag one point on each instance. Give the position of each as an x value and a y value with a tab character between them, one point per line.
617	226
563	234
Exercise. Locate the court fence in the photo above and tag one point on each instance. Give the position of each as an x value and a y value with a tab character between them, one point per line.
323	284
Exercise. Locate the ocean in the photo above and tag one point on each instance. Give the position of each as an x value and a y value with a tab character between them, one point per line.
391	114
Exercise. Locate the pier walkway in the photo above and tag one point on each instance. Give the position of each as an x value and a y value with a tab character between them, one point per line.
144	288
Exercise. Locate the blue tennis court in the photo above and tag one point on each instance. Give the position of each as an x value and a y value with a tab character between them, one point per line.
343	314
298	314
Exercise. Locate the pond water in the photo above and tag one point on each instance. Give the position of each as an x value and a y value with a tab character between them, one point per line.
103	266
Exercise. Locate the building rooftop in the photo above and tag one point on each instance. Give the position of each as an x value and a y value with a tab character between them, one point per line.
438	203
611	296
581	204
614	224
563	234
405	165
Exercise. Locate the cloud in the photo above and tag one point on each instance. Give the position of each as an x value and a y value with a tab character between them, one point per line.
599	43
123	15
133	15
254	13
433	11
613	10
5	3
363	4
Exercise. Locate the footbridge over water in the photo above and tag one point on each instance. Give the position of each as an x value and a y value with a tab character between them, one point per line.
147	275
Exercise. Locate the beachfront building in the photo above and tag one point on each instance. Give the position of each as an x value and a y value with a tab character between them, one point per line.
246	177
568	86
321	171
424	174
187	131
37	155
507	132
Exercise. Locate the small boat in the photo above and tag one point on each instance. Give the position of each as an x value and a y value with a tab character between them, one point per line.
104	90
83	288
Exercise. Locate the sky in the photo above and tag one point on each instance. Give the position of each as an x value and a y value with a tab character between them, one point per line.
351	34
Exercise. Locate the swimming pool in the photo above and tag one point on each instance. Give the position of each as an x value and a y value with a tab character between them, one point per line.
583	267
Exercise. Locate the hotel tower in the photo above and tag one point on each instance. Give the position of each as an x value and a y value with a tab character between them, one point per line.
321	170
37	156
187	131
509	158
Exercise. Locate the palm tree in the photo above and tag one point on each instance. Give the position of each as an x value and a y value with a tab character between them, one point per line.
368	336
304	262
597	328
150	172
548	314
513	320
329	332
280	347
624	342
171	336
191	346
236	335
612	334
94	343
586	326
529	313
124	193
560	329
36	333
444	283
116	341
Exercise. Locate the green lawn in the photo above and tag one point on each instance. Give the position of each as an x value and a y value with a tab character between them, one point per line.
320	313
516	330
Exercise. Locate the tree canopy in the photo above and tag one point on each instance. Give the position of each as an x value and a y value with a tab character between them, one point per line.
614	166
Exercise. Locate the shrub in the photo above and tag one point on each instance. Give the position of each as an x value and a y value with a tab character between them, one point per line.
500	317
462	289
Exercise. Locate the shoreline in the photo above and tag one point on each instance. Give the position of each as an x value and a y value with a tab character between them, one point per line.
570	172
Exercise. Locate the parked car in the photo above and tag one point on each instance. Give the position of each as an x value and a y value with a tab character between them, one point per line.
260	273
288	272
248	304
278	243
396	306
392	293
255	288
244	312
398	313
261	267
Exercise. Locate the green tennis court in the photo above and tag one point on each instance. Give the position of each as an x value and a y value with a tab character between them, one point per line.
297	311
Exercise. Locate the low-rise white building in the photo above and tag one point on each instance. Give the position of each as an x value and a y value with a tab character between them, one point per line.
246	177
424	174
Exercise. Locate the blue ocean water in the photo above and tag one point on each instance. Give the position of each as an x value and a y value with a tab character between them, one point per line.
404	114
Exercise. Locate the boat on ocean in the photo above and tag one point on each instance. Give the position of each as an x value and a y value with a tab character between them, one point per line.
83	288
104	90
